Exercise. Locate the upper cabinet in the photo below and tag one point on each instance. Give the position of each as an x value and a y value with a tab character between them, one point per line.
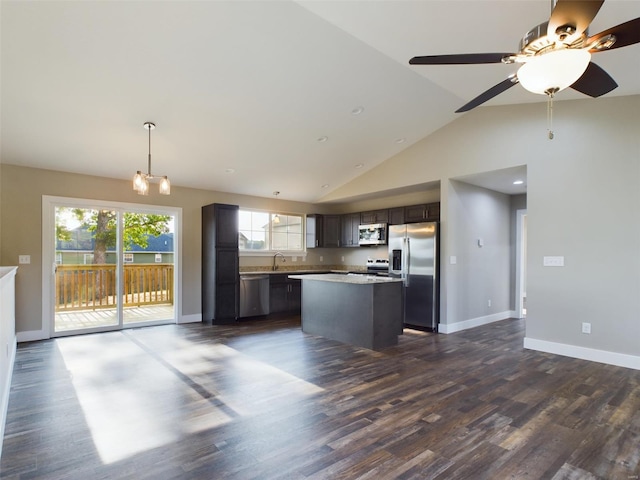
428	212
396	216
314	231
331	231
349	230
374	216
224	223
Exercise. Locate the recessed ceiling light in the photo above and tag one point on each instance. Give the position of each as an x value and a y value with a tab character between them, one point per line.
229	170
359	165
323	139
401	140
357	111
518	182
326	185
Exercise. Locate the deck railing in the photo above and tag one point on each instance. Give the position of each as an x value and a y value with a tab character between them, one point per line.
90	287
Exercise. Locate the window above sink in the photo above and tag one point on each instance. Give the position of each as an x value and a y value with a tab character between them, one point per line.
262	232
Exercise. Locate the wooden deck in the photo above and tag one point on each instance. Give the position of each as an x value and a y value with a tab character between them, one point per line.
85	319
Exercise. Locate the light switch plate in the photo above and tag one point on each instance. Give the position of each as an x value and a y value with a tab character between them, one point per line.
24	259
553	261
453	260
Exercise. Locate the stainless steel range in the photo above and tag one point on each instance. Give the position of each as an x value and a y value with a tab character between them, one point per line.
378	266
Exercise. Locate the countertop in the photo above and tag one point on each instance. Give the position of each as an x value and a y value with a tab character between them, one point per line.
342	278
294	272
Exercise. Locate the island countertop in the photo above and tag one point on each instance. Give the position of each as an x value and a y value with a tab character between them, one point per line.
342	278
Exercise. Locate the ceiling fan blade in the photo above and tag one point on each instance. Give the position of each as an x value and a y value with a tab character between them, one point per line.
489	94
576	13
594	81
459	59
626	33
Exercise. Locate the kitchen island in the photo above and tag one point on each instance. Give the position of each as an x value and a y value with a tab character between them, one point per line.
362	310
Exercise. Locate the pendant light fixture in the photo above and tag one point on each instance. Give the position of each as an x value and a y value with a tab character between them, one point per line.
141	180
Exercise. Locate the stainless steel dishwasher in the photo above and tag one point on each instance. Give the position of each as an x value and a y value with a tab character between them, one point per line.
254	295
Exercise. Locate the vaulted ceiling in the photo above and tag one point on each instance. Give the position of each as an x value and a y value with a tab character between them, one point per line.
255	97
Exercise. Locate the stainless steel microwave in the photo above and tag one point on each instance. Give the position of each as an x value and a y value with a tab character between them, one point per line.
373	234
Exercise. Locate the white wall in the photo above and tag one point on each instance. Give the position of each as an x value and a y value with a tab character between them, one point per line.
7	340
481	274
583	203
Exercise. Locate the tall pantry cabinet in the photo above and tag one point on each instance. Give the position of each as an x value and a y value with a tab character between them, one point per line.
220	264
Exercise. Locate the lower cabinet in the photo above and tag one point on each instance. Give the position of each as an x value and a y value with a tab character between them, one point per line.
285	294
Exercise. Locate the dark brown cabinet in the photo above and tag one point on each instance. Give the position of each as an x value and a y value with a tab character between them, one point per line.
220	263
396	216
331	231
323	231
374	216
349	229
285	294
428	212
314	231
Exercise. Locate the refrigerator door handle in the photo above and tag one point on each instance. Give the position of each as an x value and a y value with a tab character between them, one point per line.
407	263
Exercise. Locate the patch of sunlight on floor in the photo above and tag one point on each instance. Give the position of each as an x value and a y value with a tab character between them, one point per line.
130	403
244	384
136	397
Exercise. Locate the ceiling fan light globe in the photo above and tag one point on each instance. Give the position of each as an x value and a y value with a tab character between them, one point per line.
553	71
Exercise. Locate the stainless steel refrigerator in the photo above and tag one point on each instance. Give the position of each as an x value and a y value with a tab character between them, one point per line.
413	256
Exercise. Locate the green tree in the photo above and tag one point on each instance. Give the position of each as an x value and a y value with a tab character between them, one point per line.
137	229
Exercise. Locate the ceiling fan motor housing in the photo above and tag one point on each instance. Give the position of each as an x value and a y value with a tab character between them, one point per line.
537	41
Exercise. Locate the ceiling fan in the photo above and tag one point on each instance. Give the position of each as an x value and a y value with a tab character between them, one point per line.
554	55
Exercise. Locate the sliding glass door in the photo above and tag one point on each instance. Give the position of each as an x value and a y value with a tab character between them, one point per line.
113	265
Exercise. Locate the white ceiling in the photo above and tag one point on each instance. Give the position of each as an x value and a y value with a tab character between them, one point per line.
252	86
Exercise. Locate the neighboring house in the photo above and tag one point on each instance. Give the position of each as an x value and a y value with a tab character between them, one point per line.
78	250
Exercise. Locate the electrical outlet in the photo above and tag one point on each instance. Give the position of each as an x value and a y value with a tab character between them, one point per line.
24	259
294	259
342	258
586	327
488	303
321	258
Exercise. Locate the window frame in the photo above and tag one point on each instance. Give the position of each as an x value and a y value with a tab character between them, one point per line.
270	251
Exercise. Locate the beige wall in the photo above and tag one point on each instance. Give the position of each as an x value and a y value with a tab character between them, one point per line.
21	195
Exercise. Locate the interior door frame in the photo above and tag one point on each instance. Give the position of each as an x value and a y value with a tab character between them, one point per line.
49	203
521	259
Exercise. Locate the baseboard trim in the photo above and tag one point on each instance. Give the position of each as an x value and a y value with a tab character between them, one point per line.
475	322
32	336
195	318
6	391
583	353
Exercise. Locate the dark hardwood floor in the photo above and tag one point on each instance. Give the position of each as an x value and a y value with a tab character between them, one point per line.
262	400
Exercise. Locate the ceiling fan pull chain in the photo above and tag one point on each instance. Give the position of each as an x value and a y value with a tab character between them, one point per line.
550	117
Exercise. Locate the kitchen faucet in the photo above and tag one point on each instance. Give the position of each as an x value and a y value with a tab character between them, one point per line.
275	266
